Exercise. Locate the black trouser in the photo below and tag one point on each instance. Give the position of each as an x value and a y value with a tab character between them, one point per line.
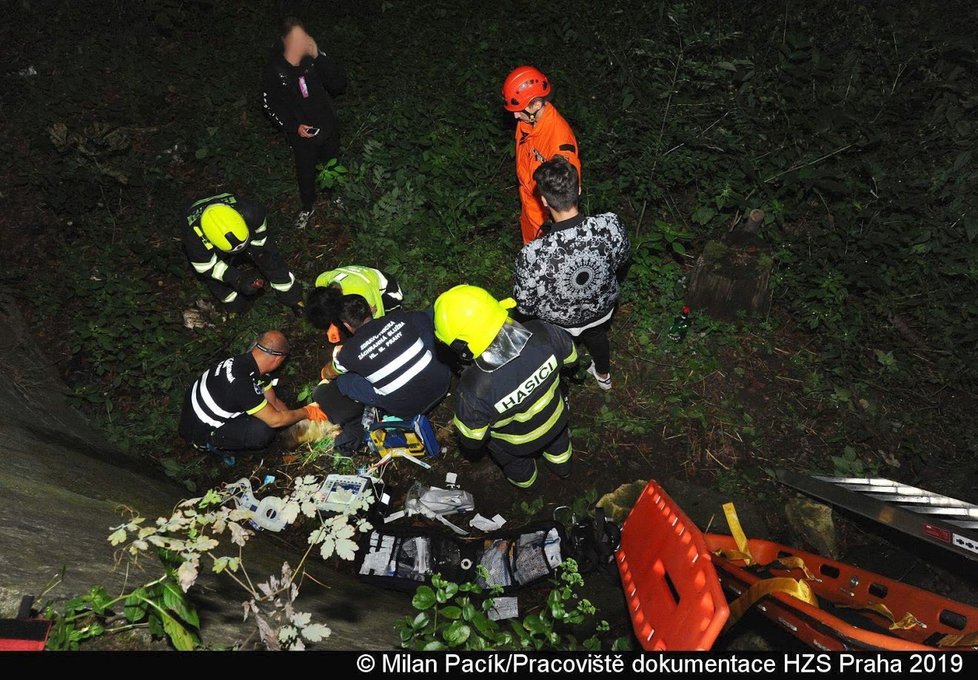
596	341
308	153
521	471
242	434
343	411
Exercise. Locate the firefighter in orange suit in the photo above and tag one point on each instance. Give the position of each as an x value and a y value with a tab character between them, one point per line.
541	132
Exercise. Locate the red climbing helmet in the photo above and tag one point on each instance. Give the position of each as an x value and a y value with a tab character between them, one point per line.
522	86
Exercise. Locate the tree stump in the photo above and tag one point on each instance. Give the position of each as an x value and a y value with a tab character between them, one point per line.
733	275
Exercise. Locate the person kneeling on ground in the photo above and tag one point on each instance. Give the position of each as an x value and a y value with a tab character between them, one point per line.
233	407
389	363
509	398
570	276
324	302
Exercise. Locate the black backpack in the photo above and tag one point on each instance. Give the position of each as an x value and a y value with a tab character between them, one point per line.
594	541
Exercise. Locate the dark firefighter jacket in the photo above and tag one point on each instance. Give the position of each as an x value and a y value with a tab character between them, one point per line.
517	408
210	262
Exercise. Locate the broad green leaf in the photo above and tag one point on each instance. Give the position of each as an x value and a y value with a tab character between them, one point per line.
434	646
456	633
182	639
535	624
156	627
424	598
703	214
485	625
451	612
519	630
99	599
210	498
420	621
134	614
477	643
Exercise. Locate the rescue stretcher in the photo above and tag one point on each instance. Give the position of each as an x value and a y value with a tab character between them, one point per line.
675	579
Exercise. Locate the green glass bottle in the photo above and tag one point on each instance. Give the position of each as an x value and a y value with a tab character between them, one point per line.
680	326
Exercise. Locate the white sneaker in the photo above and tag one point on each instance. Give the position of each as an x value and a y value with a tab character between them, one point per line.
303	218
603	383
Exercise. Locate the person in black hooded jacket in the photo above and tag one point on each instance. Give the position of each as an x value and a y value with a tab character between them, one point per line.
298	86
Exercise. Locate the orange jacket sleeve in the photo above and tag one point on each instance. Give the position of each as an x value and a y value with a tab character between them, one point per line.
537	144
561	140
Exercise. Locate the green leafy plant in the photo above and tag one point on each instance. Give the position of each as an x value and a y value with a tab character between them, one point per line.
583	505
305	393
331	174
528	509
458	616
161	606
198	533
850	464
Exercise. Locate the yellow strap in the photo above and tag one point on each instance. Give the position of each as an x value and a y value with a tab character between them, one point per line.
786	563
782	584
737	531
906	622
793	563
801	590
734	556
965	640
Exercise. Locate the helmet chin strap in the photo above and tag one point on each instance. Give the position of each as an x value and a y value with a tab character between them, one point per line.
533	116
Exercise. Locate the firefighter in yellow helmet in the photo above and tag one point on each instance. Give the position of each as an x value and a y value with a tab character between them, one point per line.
222	233
509	398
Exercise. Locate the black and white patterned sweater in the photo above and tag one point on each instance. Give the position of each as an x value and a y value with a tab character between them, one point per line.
569	276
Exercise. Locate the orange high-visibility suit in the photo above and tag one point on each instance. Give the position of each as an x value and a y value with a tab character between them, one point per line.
537	143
